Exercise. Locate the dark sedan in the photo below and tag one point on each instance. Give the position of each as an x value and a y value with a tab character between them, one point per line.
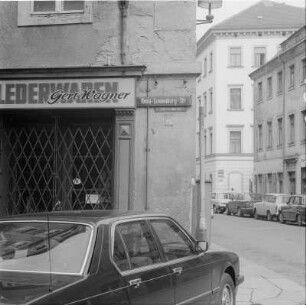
242	204
109	257
294	211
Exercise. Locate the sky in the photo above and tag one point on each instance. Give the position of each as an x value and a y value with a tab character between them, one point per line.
232	7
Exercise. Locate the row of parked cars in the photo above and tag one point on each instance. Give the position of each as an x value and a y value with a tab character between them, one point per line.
282	207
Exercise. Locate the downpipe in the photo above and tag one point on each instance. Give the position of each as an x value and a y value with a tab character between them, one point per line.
123	6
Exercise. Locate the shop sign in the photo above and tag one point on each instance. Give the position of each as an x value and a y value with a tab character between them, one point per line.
165	101
63	93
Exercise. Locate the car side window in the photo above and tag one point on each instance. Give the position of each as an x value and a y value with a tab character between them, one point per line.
140	244
173	240
120	256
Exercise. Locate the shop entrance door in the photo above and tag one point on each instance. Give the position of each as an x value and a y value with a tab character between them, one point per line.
61	162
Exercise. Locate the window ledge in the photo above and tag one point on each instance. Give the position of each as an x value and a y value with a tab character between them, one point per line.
27	18
291	144
269	148
279	146
291	88
303	141
269	98
229	109
235	67
279	93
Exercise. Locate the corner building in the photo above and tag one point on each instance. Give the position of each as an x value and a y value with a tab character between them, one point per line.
97	106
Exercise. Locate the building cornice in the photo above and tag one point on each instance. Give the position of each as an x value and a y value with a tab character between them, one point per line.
72	72
213	34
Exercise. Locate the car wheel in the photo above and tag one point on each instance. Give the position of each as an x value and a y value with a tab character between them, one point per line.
269	216
299	220
239	213
255	214
227	291
281	218
227	212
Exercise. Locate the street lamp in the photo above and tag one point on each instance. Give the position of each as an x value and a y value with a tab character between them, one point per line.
208	4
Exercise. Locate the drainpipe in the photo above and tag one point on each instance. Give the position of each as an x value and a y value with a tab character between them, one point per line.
123	6
147	153
284	125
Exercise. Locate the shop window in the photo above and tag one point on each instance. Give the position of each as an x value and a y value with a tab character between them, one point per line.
54	12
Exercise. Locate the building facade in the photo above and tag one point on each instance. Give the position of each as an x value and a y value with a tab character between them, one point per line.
97	99
280	119
228	52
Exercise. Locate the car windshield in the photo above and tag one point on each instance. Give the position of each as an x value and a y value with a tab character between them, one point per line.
283	199
221	196
56	247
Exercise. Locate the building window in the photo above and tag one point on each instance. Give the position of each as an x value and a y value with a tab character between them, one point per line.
291	129
205	104
235	98
58	6
54	12
280	82
269	135
304	70
235	142
279	132
269	85
259	56
235	57
205	67
291	76
303	131
210	100
210	62
259	92
210	141
260	137
205	143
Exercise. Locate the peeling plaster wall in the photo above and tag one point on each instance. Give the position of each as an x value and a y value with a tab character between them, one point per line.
157	32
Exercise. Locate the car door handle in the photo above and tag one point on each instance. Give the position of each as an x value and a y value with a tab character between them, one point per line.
135	283
178	270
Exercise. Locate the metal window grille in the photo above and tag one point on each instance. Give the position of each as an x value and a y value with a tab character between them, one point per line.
58	162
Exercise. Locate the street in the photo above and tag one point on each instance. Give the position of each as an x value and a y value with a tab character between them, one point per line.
279	247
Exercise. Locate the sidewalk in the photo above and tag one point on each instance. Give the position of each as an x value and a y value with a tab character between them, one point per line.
263	286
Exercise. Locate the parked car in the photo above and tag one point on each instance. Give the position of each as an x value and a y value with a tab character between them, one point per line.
110	257
270	206
295	211
219	201
242	204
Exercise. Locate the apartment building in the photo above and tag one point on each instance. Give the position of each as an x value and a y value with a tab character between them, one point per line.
280	119
229	52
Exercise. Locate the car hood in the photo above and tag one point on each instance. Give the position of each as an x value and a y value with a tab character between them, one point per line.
23	288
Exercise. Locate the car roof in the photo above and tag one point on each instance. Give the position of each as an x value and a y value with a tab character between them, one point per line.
85	216
277	194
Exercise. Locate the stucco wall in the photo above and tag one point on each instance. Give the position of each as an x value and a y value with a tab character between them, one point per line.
156	32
